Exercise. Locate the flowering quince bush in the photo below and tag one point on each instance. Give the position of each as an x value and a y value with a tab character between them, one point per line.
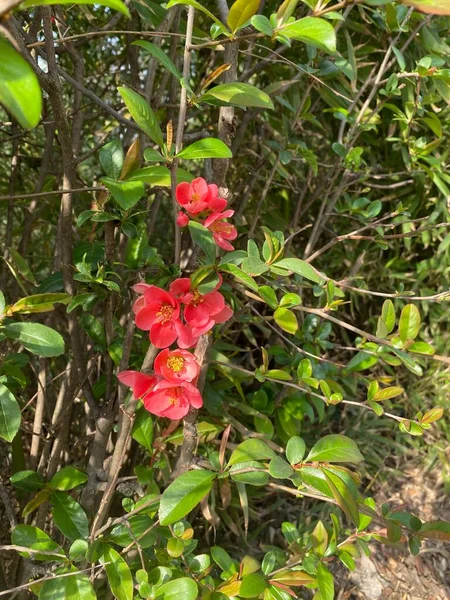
225	293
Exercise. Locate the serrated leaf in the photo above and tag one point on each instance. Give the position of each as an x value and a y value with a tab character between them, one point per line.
125	193
251	449
111	158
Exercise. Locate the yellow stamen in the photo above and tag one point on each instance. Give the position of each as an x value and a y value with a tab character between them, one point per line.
165	313
175	363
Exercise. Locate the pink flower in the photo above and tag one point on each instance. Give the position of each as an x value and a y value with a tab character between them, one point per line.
176	366
140	383
172	400
157	312
182	219
201	312
197	196
221	230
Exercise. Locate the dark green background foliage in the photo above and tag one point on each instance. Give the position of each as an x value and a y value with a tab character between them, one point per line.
325	124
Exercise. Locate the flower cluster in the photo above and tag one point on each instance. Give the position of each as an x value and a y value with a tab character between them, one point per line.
170	391
200	199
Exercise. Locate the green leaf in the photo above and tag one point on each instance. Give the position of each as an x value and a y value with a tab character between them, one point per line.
267	293
335	448
184	494
289	300
35	539
343	496
295	450
69	517
142	113
300	267
79	587
262	24
67	479
325	582
151	155
159	55
200	7
10	415
293	578
241	11
432	415
433	7
237	94
409	324
111	158
29	481
203	238
143	428
183	588
312	30
39	303
386	393
78	549
251	449
36	338
278	374
22	266
388	315
436	530
125	193
408	361
280	469
286	320
319	539
53	588
114	4
20	92
361	361
239	274
118	573
250	472
252	586
206	148
421	348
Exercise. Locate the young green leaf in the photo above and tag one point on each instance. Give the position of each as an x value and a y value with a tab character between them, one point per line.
206	148
10	415
433	7
237	94
35	539
252	586
78	587
325	582
262	24
184	494
343	496
143	428
142	113
39	303
286	320
20	92
409	324
311	30
239	274
29	481
335	448
387	393
280	469
241	11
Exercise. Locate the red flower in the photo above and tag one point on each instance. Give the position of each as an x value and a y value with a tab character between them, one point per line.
173	400
221	230
176	366
201	312
198	196
158	312
140	383
182	219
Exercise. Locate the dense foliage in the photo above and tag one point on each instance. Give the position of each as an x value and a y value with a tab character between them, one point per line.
224	290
